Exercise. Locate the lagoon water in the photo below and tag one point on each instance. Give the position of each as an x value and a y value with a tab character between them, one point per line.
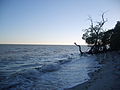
43	67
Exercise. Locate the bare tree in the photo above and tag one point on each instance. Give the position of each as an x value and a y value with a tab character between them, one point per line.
94	34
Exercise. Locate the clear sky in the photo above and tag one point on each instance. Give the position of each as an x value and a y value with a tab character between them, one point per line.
52	21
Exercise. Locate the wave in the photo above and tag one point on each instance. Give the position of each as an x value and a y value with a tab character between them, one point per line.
49	67
63	73
20	78
27	76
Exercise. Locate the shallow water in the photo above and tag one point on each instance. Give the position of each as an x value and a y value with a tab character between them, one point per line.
42	67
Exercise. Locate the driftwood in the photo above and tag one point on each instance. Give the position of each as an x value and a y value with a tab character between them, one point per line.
79	48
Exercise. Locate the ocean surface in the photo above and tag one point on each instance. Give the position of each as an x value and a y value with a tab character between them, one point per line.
44	67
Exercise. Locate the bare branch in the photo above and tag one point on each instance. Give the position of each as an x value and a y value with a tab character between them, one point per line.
79	48
92	25
103	17
91	21
102	22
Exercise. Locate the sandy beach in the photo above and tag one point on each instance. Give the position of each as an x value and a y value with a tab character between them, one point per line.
105	78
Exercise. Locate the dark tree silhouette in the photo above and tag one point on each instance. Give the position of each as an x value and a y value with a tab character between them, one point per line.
94	34
115	37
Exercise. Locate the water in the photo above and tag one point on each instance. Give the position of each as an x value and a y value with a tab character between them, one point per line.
43	67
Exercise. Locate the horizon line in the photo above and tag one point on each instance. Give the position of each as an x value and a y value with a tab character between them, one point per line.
33	44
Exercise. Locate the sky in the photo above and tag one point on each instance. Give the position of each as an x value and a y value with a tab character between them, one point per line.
52	21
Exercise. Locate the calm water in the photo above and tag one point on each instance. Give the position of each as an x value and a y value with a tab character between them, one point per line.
43	67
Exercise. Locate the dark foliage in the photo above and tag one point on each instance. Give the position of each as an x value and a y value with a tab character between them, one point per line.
100	40
115	38
94	35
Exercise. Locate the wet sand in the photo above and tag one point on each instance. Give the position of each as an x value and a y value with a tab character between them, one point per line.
105	78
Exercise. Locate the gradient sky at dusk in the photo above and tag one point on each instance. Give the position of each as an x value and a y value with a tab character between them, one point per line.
52	21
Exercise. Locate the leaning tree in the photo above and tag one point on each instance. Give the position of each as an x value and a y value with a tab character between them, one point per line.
94	35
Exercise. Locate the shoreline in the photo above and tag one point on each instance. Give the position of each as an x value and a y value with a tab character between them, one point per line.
105	78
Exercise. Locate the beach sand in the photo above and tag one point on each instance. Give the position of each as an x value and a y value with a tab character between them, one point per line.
105	78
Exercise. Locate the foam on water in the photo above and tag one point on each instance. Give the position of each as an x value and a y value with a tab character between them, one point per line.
49	67
43	67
